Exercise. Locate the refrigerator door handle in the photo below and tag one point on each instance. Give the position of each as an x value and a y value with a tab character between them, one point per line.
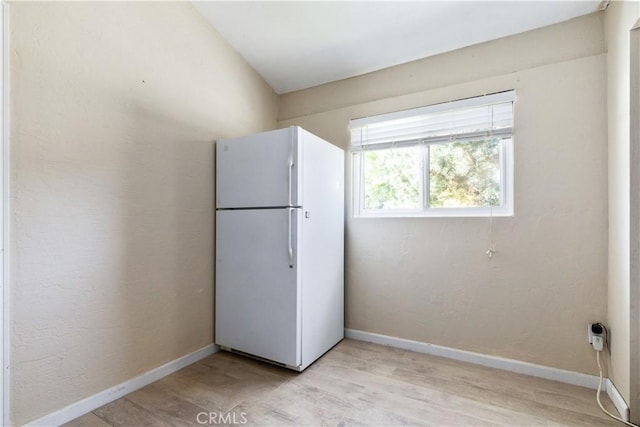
290	177
290	240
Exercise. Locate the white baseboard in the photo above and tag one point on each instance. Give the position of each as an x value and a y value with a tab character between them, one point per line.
618	400
517	366
87	405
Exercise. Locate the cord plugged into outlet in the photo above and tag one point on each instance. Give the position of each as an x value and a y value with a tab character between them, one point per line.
596	333
598	336
598	343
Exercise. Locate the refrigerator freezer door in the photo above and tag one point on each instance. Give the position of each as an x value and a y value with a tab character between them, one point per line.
257	286
258	171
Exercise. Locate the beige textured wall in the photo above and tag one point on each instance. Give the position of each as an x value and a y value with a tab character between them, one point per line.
619	18
429	279
114	110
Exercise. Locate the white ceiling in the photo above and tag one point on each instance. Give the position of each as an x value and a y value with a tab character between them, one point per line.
299	44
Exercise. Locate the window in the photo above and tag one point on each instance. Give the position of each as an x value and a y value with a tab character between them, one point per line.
451	159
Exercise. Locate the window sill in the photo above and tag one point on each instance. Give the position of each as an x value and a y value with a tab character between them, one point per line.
438	213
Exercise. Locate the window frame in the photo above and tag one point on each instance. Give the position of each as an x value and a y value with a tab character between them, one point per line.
505	208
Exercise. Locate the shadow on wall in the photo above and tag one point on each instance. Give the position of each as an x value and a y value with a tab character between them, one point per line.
167	237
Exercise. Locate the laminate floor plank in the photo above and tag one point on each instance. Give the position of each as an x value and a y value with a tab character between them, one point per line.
166	405
88	420
124	413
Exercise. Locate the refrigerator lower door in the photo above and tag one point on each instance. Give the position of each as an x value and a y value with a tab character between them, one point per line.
257	284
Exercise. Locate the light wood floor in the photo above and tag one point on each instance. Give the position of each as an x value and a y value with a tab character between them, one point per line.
356	383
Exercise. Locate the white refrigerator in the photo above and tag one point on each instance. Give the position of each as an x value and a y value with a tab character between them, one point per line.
279	246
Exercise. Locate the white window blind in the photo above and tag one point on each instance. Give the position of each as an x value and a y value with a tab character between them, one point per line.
449	159
488	116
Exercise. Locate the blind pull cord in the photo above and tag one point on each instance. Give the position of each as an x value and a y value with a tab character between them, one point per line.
492	247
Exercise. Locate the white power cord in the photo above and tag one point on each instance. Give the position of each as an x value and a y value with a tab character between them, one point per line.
600	390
